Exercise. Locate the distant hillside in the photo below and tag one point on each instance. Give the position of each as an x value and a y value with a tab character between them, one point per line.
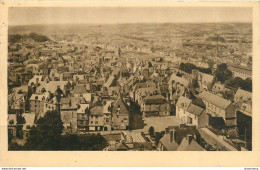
16	38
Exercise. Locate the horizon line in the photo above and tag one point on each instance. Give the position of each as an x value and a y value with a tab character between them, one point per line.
217	22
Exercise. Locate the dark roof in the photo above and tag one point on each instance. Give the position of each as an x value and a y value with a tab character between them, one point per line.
123	106
170	146
157	99
194	109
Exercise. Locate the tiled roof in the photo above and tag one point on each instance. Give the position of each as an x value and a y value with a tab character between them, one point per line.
215	99
196	110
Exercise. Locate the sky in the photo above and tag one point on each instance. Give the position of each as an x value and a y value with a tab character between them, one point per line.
111	15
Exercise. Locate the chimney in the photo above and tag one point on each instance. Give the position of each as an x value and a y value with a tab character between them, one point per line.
172	136
189	138
166	130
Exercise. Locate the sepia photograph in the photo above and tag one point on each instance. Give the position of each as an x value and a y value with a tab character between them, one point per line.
81	80
130	79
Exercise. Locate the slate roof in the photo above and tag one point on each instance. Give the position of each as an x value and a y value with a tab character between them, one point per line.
123	107
170	146
192	146
215	99
194	109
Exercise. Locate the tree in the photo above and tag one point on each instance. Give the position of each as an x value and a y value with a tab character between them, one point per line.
247	85
46	135
222	73
151	131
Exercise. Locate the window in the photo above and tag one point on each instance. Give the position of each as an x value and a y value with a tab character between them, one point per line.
28	127
117	116
27	134
96	116
91	122
96	122
91	116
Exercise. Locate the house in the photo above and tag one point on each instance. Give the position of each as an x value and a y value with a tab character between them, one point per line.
133	141
217	106
52	86
196	116
243	95
120	115
35	80
143	92
168	142
39	104
189	143
140	85
68	112
96	119
81	91
178	86
205	81
29	122
12	122
107	111
181	108
113	91
113	141
155	105
82	117
218	88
